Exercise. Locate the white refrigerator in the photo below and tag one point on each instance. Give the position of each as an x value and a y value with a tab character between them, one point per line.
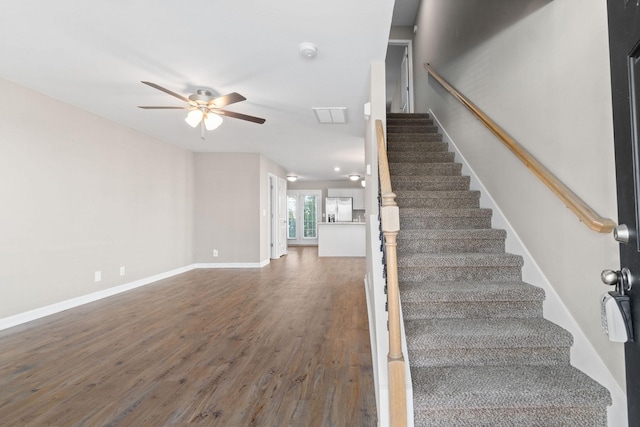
339	209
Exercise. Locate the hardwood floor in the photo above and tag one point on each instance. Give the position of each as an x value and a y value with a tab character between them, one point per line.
284	345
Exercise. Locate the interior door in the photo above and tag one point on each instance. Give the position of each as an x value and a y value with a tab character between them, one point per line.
624	44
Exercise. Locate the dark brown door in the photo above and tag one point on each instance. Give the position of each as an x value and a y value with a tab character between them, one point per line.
624	43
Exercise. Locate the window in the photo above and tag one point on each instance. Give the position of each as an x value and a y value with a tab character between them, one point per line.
303	207
310	214
292	202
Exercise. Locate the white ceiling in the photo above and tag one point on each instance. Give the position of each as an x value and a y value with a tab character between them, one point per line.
94	54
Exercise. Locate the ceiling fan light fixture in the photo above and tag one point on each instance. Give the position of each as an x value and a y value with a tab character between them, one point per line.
194	118
212	121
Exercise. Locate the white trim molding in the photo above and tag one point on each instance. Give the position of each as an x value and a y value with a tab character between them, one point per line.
233	264
48	310
28	316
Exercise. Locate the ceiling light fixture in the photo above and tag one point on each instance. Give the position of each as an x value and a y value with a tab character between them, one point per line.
308	50
212	121
354	177
292	178
200	116
194	118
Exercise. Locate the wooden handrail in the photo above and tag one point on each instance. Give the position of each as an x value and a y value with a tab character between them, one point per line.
390	223
584	213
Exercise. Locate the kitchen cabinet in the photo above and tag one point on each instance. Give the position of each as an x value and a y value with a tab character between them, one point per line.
342	239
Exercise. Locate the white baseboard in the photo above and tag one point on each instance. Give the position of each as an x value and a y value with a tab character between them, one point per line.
233	264
48	310
583	355
28	316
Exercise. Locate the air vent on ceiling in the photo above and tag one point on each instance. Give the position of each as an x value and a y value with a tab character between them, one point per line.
326	115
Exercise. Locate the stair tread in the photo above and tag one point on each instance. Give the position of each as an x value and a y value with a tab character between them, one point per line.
413	292
437	334
459	260
400	146
428	178
526	386
437	194
434	212
452	234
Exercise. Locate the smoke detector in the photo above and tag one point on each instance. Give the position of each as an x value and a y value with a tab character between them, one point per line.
308	50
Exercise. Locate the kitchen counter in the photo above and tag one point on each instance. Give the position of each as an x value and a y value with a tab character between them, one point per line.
342	239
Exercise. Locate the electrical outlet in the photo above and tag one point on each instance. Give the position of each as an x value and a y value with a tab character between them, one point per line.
215	252
97	276
122	271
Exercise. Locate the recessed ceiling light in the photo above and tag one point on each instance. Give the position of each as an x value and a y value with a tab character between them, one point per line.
337	169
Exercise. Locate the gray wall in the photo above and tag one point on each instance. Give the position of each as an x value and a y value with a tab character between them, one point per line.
80	194
227	207
540	69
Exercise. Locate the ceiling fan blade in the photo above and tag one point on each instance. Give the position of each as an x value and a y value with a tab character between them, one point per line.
240	116
177	95
148	107
228	99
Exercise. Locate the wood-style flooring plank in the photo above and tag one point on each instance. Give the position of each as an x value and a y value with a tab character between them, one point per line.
284	345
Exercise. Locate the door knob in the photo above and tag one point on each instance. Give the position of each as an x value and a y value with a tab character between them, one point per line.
622	279
609	277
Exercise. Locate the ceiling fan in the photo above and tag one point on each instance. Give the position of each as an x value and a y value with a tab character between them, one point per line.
204	109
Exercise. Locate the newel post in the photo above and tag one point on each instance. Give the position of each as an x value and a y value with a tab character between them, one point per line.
390	218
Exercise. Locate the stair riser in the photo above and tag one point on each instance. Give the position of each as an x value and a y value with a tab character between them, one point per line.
458	274
409	122
552	356
454	183
425	169
410	116
468	203
429	157
394	138
412	246
417	147
475	309
416	223
512	417
411	129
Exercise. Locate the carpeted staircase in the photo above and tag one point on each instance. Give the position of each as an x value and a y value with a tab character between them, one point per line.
480	352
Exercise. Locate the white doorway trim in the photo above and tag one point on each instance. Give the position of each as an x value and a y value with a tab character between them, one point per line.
409	45
273	217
